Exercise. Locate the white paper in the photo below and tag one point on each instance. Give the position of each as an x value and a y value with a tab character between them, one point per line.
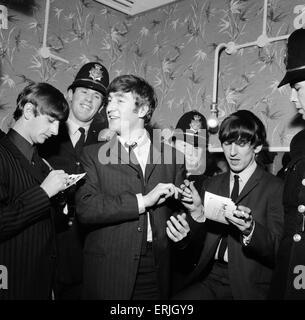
73	178
215	206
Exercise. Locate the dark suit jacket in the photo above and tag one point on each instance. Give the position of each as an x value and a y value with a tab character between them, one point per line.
288	276
250	267
108	202
60	153
27	241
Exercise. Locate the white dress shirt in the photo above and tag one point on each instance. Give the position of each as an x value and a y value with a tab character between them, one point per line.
244	176
141	151
73	131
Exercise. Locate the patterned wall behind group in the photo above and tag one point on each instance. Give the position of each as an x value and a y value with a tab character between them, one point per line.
172	47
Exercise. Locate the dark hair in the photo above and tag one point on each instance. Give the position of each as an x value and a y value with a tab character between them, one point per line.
142	91
242	127
45	98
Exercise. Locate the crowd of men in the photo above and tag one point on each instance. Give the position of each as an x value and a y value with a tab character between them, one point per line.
138	226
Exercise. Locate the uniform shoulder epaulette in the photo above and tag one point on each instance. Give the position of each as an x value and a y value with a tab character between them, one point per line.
294	162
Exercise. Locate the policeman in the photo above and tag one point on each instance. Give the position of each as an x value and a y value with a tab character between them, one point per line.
86	119
190	138
291	254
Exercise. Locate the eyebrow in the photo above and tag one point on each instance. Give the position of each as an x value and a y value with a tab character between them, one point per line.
118	94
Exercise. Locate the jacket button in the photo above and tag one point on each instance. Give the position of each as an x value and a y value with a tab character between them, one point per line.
296	237
301	208
303	182
139	229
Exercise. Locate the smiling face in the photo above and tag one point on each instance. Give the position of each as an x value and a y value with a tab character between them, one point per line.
240	155
85	103
298	97
123	116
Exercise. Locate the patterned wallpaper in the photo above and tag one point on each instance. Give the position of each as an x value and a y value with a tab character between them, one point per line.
172	47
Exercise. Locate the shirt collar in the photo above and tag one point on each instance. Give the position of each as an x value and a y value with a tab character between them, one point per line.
245	175
24	146
73	127
141	140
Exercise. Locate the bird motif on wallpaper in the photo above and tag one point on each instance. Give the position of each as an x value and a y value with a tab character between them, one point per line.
24	79
18	40
98	59
86	3
3	106
60	42
12	18
154	23
273	16
208	11
271	115
194	78
122	31
175	58
138	51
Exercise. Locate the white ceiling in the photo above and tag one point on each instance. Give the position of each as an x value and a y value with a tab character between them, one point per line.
133	7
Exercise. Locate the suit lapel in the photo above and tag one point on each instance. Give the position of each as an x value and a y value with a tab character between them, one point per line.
92	136
23	160
118	154
64	139
154	157
93	132
224	187
251	184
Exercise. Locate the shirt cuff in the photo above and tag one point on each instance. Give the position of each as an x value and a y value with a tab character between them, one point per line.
247	239
141	205
200	218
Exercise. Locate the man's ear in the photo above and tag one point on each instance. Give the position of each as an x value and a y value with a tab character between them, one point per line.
258	149
143	111
28	111
70	95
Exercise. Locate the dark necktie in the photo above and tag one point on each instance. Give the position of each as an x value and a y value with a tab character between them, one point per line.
131	154
235	190
80	143
224	239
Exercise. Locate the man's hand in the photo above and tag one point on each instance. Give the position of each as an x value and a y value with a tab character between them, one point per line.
177	228
241	218
54	182
191	199
160	193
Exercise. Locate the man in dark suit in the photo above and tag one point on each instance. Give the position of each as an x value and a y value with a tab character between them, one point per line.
237	259
86	95
27	190
288	280
126	199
